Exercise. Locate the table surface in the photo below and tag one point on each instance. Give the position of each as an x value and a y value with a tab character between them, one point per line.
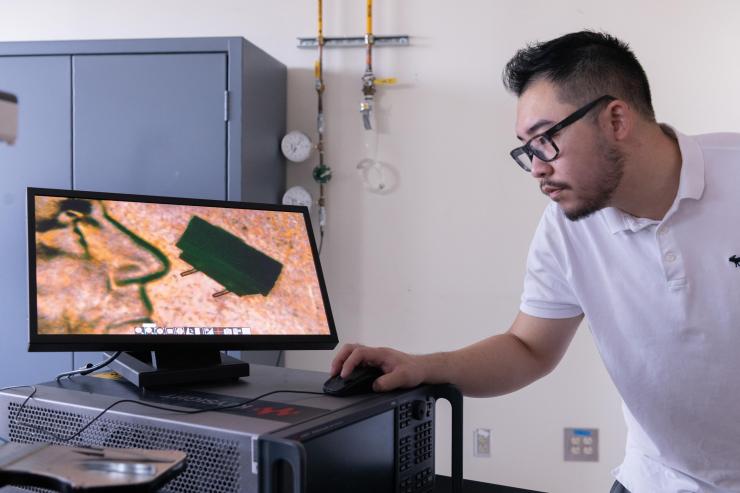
443	484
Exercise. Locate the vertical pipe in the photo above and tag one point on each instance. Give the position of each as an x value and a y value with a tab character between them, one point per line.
369	37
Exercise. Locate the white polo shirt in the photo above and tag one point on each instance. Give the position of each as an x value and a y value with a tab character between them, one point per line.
662	299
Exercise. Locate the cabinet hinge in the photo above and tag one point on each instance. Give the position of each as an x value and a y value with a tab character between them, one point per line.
227	103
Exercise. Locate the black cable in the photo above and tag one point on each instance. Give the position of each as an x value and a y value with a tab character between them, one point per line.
280	355
59	438
33	392
89	368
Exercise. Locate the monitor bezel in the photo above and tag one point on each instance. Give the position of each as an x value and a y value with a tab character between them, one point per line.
99	342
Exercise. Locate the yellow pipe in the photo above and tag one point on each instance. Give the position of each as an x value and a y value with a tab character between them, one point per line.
321	23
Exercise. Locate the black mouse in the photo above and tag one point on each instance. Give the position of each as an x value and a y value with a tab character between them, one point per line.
359	381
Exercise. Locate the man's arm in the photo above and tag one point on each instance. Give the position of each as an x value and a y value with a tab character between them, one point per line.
500	364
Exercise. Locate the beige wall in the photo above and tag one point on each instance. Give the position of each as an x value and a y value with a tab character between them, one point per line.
438	263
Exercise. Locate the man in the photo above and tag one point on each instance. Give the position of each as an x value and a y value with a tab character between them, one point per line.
637	239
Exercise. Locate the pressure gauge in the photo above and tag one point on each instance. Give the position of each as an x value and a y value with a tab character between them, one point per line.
296	146
297	196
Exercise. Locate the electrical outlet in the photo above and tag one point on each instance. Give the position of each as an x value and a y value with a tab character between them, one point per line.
581	444
482	442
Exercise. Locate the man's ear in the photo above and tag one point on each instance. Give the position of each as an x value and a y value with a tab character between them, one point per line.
618	119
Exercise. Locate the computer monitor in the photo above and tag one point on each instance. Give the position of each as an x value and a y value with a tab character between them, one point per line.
183	278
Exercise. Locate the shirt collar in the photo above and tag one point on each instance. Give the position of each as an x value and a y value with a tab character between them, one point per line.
690	186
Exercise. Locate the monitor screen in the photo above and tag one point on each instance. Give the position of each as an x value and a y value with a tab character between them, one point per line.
120	272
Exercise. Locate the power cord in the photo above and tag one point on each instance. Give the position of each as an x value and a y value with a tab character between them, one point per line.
62	439
88	368
33	392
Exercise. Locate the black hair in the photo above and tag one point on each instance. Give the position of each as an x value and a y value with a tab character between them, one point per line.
583	66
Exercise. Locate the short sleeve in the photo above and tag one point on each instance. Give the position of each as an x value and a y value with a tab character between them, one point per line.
547	292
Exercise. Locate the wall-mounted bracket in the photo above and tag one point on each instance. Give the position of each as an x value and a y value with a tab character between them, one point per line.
354	41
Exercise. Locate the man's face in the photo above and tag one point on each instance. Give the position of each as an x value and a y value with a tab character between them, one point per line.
587	171
91	272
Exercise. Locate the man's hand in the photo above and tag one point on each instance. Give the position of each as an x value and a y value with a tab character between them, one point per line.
497	365
401	370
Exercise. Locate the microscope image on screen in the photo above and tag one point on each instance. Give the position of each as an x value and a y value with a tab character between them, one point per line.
92	272
227	260
120	267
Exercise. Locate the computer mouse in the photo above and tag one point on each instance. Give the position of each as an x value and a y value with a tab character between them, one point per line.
359	381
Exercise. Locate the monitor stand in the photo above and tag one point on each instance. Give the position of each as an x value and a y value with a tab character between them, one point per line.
164	368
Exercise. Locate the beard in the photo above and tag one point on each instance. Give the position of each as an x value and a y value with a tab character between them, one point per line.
611	170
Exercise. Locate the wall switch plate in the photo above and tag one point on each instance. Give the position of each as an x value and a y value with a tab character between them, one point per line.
581	444
482	442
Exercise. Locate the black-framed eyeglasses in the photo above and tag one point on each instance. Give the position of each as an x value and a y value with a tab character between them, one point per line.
542	145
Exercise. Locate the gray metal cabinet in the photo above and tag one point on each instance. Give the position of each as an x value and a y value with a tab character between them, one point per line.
198	117
43	84
155	124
